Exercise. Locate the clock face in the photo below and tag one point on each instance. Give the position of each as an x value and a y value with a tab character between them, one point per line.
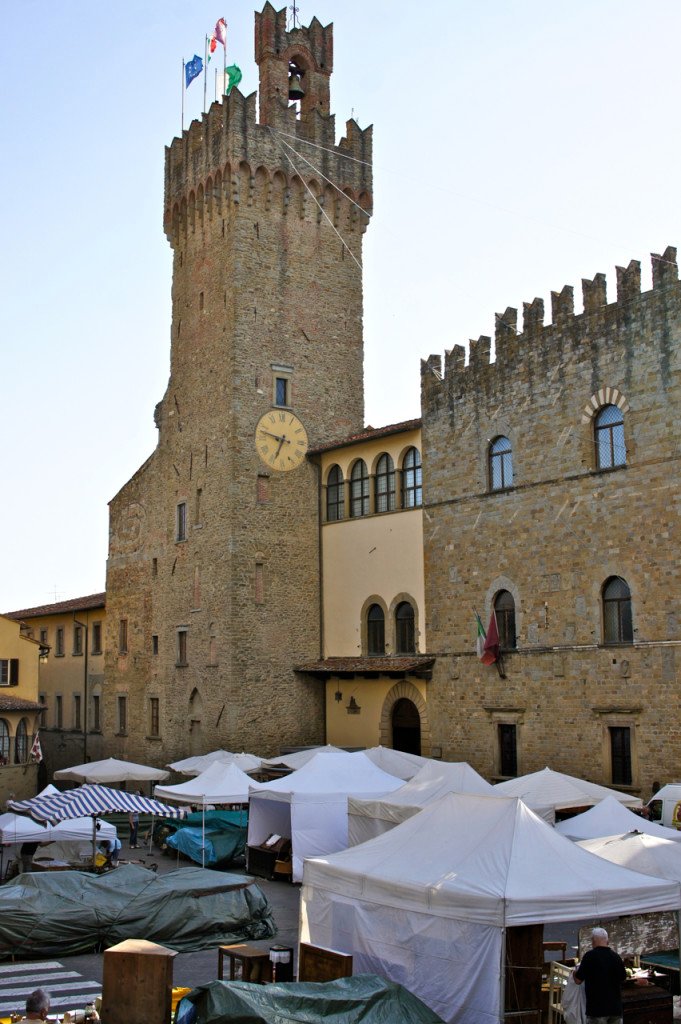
281	440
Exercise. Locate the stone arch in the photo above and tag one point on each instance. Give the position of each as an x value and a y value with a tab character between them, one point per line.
192	211
183	215
298	196
398	600
505	583
279	191
245	184
364	633
209	198
402	690
261	188
604	396
217	190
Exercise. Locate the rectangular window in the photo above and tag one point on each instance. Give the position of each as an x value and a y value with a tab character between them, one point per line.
154	567
262	495
43	637
77	640
281	396
96	713
96	638
181	647
508	751
154	644
77	724
620	755
9	671
122	714
43	715
181	521
58	712
123	636
59	646
153	717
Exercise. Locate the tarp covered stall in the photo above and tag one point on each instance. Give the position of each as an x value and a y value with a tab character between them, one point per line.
547	792
370	818
359	1000
70	911
220	783
310	806
211	838
428	903
111	770
198	764
647	854
610	818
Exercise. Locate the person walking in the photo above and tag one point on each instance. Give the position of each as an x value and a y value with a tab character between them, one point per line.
602	971
133	821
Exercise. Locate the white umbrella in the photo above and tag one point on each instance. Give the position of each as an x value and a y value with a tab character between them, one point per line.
111	770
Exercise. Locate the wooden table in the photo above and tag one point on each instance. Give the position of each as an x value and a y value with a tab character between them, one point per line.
254	964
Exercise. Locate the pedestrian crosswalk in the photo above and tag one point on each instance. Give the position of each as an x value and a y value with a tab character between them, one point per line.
68	990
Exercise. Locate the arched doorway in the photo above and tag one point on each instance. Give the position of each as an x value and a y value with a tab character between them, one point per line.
406	726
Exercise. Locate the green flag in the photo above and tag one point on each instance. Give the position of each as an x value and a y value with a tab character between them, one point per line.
234	76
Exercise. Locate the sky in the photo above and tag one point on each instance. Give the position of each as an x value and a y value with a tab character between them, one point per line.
519	145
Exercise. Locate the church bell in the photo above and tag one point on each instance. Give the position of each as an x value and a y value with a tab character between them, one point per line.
295	85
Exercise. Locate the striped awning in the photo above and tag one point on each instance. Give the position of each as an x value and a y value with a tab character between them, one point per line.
91	800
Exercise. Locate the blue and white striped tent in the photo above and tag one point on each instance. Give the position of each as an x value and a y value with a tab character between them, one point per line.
91	800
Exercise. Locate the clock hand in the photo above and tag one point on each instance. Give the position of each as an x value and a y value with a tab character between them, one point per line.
276	437
281	441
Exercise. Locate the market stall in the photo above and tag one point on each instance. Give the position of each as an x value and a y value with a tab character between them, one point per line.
548	792
610	818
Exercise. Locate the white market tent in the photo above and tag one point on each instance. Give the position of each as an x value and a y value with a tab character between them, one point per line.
17	828
370	818
610	818
547	792
220	783
310	806
647	854
427	904
299	758
111	770
198	764
397	762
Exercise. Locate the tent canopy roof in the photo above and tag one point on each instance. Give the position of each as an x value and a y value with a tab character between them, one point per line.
198	764
554	789
648	854
431	782
486	859
610	818
299	758
397	762
91	800
333	774
111	770
220	783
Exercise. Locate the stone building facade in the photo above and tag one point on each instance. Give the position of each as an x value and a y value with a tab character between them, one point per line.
213	590
551	493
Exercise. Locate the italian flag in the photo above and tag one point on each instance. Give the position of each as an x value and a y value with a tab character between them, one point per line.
480	639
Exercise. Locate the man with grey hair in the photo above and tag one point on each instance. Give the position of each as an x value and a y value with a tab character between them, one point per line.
602	972
37	1005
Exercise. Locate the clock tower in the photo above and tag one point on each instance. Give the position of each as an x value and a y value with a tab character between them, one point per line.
213	577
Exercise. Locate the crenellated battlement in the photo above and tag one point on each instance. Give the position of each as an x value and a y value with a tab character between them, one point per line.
220	156
512	349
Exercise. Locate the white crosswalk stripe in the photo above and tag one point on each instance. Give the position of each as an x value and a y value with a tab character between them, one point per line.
68	989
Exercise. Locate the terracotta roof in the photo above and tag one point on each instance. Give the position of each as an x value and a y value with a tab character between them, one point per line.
76	604
367	435
17	704
413	664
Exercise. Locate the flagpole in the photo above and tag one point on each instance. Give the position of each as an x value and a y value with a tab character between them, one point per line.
216	84
182	129
205	72
224	59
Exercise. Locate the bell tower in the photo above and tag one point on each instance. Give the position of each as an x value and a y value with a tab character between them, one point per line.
213	572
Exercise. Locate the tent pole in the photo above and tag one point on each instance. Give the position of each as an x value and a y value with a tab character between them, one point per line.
94	841
502	974
678	925
203	832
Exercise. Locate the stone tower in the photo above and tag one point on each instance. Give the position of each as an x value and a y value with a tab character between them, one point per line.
213	589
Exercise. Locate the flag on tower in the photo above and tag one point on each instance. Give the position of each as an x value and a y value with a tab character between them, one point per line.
192	69
220	33
490	652
234	76
36	750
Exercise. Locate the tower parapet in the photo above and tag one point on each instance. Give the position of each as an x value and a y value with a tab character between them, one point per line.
218	157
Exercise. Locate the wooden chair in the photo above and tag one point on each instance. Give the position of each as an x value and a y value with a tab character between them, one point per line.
558	978
318	964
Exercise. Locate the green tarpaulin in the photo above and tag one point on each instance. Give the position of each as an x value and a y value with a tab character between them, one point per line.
70	911
365	998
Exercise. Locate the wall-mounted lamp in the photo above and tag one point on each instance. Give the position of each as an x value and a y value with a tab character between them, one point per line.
338	696
353	707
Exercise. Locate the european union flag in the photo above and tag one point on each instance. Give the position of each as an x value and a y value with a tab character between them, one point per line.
192	70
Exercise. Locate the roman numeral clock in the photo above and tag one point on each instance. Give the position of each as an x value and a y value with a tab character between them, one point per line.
281	440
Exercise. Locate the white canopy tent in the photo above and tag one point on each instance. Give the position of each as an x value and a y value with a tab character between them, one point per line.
17	828
397	762
111	770
370	818
427	904
547	792
310	806
299	758
220	783
198	764
650	855
610	818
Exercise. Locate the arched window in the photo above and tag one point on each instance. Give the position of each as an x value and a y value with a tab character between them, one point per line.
359	489
375	630
500	464
609	438
335	495
4	742
617	623
404	628
504	609
21	743
385	485
412	490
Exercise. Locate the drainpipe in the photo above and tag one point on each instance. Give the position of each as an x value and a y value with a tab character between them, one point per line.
83	625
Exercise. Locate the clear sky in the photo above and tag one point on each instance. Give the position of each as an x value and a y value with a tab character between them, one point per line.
519	145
